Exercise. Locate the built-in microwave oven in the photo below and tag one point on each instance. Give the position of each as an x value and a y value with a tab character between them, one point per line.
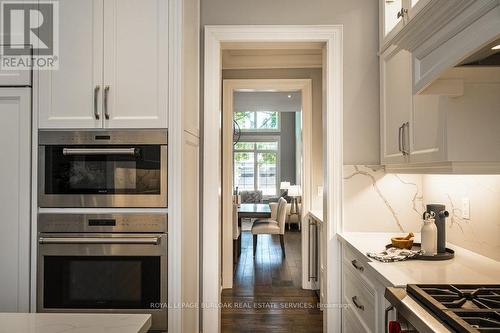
96	168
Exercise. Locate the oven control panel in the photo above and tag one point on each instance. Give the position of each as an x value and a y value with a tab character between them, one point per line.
116	223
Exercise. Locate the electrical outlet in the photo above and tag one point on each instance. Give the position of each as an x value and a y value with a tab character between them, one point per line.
466	208
320	191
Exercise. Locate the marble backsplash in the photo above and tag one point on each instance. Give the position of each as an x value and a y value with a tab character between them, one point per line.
379	202
481	232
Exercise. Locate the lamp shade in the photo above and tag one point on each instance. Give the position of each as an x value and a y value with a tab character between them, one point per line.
295	191
284	185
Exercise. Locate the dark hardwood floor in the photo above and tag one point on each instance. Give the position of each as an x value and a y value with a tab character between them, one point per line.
267	294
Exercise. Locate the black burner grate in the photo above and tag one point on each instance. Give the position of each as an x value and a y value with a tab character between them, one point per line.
466	308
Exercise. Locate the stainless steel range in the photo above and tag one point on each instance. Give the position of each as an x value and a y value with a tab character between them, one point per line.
447	308
111	263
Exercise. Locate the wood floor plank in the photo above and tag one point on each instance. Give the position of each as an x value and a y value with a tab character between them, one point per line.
267	294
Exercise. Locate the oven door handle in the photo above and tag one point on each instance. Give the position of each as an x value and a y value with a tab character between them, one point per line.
99	151
100	240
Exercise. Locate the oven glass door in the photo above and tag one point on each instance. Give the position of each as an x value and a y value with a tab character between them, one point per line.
101	282
95	170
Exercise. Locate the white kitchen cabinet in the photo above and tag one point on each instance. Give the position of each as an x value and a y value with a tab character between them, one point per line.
15	78
113	66
395	15
15	140
363	293
135	63
395	105
452	127
70	97
391	19
427	130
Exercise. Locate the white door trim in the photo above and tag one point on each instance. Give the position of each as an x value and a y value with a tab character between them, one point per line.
229	87
332	119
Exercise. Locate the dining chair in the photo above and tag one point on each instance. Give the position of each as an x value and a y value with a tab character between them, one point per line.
271	226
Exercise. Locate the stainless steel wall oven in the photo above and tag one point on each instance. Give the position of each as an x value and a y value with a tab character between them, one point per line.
103	263
115	168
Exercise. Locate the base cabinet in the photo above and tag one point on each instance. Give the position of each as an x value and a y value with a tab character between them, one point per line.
15	142
362	295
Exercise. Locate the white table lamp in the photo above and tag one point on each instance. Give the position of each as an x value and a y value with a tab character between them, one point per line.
294	191
284	185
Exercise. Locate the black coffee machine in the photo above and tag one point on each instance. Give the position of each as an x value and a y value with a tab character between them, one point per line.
440	215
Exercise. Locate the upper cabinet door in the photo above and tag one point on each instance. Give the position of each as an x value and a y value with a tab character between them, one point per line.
71	97
427	130
391	19
135	63
395	105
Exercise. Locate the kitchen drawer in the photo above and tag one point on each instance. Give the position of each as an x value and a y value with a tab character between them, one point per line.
351	323
360	297
359	263
12	78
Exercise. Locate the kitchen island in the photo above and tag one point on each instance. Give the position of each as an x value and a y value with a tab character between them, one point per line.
74	323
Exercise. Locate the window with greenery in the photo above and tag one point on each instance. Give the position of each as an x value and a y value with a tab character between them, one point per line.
257	121
256	166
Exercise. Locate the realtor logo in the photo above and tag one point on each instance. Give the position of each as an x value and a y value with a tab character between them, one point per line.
29	35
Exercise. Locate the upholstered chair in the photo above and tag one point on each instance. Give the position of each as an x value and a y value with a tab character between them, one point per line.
251	196
271	226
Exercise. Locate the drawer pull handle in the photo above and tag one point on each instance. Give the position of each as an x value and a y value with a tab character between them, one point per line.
355	301
358	267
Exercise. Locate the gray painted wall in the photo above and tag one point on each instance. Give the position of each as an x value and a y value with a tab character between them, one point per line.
361	67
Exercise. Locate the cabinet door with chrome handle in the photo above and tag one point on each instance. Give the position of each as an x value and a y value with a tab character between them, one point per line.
357	304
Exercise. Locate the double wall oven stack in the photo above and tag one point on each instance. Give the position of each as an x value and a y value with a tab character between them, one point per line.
96	254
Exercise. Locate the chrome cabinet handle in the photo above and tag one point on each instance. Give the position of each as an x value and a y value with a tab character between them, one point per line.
358	267
400	130
96	96
355	301
405	135
99	151
99	240
106	93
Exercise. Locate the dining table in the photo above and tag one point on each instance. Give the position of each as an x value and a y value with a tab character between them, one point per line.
253	211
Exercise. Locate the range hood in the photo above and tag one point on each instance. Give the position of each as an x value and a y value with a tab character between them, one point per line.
486	56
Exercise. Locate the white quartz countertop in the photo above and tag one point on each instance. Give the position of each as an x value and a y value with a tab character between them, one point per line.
465	268
74	323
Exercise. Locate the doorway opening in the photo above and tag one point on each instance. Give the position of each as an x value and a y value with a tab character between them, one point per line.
268	173
257	164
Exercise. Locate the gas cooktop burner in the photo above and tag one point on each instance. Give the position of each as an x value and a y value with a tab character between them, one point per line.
466	308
